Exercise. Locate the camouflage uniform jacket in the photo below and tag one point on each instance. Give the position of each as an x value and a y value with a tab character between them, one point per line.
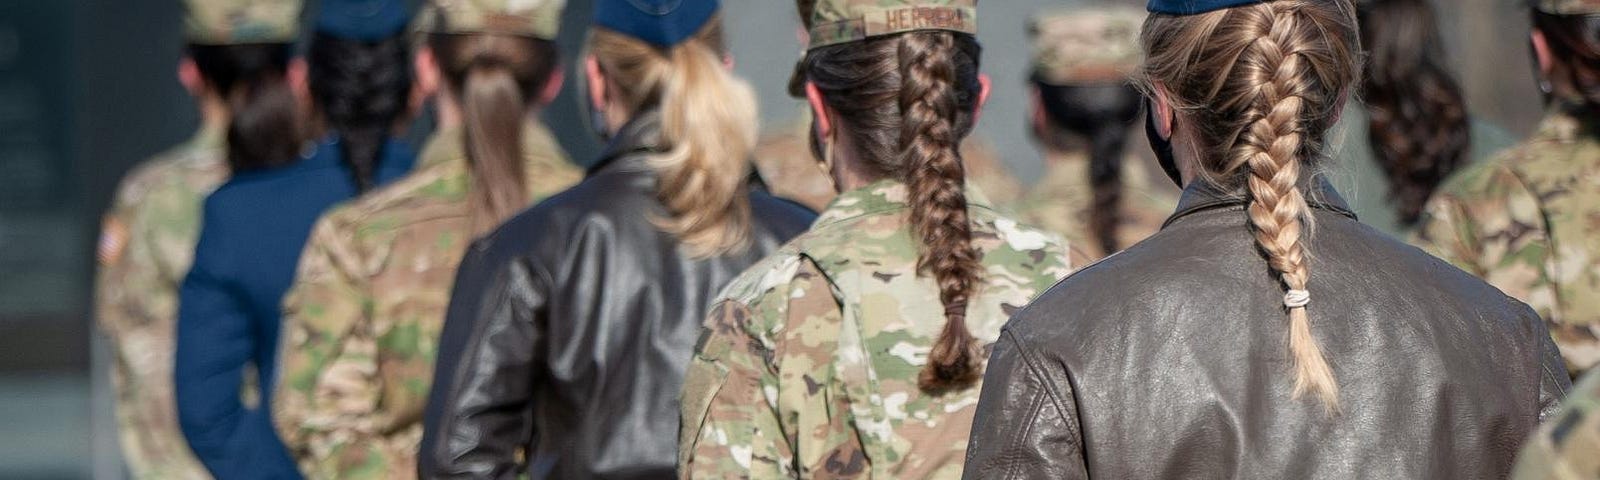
1061	203
1528	222
809	362
1565	447
362	321
146	246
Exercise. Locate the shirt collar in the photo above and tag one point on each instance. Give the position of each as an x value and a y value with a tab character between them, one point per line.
881	196
1202	195
641	135
1565	124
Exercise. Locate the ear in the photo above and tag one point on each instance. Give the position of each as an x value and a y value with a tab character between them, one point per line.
552	87
297	78
1541	51
596	81
425	68
728	61
984	84
1164	116
1036	113
189	76
819	111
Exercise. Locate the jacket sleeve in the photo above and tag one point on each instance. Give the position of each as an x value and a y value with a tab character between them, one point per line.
757	402
215	345
1026	426
479	419
327	391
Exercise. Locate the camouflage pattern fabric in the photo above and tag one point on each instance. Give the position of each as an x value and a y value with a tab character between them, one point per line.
534	18
1086	45
1568	7
232	22
809	363
839	21
1061	203
1528	222
784	160
146	246
362	321
1566	446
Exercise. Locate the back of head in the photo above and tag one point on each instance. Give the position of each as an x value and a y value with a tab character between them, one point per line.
360	77
242	50
495	57
1419	129
906	92
1571	29
1082	62
1258	85
669	57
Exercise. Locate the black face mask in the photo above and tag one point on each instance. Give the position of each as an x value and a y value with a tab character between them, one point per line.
1161	145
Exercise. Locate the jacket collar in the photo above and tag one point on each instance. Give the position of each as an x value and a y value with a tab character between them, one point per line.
880	197
1202	195
1566	124
639	136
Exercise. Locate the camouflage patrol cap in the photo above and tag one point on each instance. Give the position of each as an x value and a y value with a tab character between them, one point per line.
1568	7
533	18
1089	45
230	22
833	22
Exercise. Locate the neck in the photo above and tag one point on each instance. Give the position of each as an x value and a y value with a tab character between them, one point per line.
214	114
447	112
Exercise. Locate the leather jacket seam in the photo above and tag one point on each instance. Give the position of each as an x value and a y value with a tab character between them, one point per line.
1053	398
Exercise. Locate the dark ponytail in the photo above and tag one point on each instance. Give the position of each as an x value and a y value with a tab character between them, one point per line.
362	89
1418	127
1103	114
496	79
908	100
264	130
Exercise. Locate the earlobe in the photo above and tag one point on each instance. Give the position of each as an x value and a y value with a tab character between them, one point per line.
189	77
595	81
1541	51
297	79
552	87
1163	112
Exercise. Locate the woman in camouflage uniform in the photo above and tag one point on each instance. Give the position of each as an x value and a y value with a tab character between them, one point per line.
1527	221
149	235
1092	193
360	324
858	348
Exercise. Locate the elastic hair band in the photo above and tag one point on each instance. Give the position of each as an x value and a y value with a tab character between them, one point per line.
1296	298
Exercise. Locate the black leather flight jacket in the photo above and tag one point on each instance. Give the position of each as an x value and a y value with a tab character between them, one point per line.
570	329
1171	360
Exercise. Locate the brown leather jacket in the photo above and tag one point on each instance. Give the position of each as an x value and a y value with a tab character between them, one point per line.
1170	360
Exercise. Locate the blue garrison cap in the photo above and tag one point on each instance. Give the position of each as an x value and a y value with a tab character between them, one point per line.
364	20
1194	7
663	23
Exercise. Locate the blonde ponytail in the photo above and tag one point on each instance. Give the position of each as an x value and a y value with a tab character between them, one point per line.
1261	84
708	125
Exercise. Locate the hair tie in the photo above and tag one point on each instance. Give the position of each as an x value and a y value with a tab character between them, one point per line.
958	308
1296	298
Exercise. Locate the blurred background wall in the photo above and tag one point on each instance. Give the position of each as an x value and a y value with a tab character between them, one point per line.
87	89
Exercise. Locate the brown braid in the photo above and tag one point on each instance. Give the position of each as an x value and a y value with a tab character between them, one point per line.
906	101
936	181
1260	86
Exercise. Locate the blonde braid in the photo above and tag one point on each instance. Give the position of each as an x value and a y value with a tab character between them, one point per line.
1270	150
1259	86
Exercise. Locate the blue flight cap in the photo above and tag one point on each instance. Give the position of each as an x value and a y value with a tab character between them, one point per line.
1194	7
663	23
363	20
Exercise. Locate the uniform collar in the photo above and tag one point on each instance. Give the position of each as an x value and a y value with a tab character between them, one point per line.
881	197
209	136
1202	196
446	144
1566	125
641	135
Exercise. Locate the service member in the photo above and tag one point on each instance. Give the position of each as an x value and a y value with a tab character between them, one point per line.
1084	106
362	321
1526	221
857	349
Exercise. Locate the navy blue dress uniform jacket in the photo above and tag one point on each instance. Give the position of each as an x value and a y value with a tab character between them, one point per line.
254	228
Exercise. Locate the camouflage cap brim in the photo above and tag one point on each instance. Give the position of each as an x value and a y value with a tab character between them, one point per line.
855	22
531	18
233	22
